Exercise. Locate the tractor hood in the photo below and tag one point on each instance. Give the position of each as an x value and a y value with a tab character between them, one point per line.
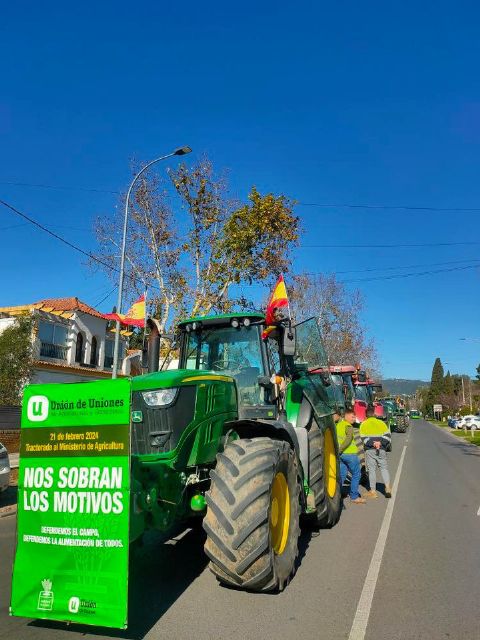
175	378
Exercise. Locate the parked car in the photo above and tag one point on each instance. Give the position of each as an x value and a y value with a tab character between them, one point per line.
453	422
468	422
4	468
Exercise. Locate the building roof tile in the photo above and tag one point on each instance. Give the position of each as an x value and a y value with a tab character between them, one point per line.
66	304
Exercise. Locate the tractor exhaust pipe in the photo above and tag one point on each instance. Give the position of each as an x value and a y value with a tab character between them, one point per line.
153	345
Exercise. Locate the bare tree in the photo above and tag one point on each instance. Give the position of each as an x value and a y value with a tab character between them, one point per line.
188	242
338	312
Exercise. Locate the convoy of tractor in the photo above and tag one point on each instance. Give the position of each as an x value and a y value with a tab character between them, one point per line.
241	437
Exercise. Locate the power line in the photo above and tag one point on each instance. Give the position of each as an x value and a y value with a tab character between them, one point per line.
58	187
405	266
134	279
409	275
323	205
97	304
13	226
68	243
55	235
385	207
385	246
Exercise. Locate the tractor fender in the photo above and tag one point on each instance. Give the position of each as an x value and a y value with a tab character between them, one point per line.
278	430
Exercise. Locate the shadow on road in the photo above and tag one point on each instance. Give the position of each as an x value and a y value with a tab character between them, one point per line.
464	447
159	574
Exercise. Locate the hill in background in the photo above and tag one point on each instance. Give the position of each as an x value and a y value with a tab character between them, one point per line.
397	386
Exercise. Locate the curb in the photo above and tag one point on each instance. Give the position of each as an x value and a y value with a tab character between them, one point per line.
456	438
8	511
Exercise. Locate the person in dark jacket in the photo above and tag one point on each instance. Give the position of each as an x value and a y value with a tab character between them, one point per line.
376	438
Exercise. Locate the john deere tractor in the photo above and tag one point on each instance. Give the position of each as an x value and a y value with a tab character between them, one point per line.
242	436
396	414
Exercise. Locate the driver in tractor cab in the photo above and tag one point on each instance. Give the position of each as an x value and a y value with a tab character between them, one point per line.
349	460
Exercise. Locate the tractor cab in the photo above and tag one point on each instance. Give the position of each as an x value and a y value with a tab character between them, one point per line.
232	345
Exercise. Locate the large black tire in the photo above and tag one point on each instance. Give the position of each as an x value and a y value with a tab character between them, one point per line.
328	504
249	544
402	424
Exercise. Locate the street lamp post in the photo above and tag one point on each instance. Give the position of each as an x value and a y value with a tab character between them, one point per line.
181	151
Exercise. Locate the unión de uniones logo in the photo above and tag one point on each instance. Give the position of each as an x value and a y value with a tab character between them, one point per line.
85	606
37	408
88	403
74	604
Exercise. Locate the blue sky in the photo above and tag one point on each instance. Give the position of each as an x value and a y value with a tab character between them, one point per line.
361	103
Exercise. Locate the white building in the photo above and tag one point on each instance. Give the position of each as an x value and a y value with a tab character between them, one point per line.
71	340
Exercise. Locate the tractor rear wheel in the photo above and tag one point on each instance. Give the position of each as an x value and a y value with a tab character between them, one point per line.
401	424
324	475
253	512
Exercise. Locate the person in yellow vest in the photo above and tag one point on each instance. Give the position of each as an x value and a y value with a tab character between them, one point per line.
376	438
349	460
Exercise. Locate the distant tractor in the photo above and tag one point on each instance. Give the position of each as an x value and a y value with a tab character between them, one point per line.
240	435
356	390
397	417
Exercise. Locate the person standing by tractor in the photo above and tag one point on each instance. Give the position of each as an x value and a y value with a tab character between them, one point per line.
349	460
376	438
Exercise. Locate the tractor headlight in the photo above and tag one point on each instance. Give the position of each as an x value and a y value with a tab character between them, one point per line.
160	397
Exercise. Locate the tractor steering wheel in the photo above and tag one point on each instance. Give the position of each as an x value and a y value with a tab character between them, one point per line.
221	365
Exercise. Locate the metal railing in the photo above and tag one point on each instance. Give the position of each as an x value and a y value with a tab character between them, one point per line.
48	350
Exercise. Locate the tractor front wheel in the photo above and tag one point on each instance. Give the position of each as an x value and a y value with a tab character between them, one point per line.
253	511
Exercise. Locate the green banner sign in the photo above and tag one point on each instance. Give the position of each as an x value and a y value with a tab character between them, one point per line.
71	560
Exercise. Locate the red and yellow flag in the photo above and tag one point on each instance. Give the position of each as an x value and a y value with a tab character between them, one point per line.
134	317
278	300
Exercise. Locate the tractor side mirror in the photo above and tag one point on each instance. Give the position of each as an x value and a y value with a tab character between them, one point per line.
289	341
265	382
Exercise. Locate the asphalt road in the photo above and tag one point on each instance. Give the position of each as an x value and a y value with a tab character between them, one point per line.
410	571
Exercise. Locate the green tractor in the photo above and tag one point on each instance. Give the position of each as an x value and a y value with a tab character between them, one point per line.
240	436
396	415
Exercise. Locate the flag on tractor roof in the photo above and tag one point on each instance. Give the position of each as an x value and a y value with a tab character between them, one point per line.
134	317
278	300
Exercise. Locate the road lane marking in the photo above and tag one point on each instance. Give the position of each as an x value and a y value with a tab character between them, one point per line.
478	512
360	621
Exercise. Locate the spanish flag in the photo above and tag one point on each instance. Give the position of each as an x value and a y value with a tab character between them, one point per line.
134	317
278	300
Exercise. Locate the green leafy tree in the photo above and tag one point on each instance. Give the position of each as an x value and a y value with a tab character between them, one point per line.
436	385
16	360
189	242
478	372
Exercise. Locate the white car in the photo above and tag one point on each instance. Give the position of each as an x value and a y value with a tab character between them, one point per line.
468	422
4	468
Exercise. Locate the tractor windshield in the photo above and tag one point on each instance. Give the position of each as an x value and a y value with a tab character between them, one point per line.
361	393
233	351
309	346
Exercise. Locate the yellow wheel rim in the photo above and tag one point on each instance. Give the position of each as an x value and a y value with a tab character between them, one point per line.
279	513
330	464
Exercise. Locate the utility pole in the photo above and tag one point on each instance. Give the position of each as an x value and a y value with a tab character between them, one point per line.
181	151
